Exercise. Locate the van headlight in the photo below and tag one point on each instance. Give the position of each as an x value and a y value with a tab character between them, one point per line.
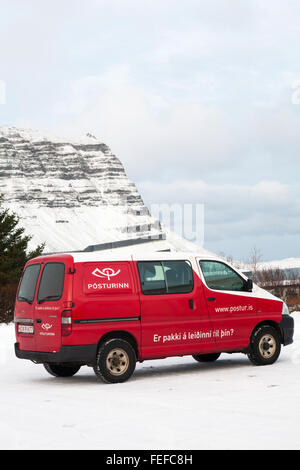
285	309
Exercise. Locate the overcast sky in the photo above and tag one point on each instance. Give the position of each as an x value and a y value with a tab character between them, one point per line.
198	98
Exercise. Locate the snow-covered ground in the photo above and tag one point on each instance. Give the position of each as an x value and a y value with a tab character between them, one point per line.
168	404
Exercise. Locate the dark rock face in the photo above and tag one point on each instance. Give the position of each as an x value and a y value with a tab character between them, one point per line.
70	194
62	174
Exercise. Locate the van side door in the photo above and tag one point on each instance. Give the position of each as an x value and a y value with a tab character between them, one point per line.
174	317
232	309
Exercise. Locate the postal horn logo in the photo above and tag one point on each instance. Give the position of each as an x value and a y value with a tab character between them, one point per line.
46	326
106	272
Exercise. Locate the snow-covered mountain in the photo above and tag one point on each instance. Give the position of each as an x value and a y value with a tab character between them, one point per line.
74	194
287	263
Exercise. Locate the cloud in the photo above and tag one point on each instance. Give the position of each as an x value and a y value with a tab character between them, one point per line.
195	98
166	135
147	131
235	163
267	208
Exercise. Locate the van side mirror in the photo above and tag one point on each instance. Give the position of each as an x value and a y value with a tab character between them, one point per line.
249	285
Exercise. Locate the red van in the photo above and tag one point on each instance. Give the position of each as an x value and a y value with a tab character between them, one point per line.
110	311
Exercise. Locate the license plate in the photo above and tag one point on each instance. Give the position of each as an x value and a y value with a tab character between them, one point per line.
27	329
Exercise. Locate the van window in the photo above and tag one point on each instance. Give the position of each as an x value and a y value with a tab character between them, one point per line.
28	283
179	277
52	282
219	276
152	278
166	277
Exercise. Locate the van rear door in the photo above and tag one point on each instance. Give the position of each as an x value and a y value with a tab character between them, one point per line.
54	296
25	308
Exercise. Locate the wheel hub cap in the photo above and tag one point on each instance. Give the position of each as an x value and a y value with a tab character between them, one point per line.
267	346
117	361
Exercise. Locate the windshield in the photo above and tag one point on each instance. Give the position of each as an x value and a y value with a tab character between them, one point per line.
52	282
28	283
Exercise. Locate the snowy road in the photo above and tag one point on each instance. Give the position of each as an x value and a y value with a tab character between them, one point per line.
168	404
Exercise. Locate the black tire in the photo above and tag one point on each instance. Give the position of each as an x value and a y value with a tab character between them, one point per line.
265	346
207	357
115	362
58	370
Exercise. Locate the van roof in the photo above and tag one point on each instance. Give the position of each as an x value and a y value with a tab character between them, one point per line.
82	257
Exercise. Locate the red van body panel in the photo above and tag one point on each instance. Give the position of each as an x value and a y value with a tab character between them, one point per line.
101	304
105	297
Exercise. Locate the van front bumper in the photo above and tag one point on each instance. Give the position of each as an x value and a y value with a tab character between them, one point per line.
83	354
287	328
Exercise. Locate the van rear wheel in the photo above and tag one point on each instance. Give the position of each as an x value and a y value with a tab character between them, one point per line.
265	346
58	370
115	361
207	357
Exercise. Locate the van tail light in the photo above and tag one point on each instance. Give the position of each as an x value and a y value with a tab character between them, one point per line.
66	322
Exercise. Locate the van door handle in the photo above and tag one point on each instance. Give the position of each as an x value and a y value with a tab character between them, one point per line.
191	304
211	299
38	320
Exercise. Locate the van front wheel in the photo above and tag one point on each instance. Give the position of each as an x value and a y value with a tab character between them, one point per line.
58	370
264	346
207	357
115	361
